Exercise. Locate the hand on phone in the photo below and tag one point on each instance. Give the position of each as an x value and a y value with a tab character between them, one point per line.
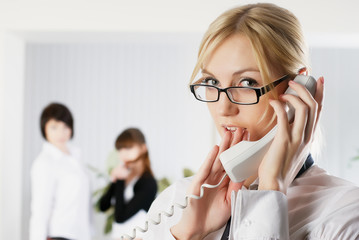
291	144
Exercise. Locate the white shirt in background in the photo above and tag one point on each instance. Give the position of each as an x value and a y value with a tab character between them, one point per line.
60	205
317	206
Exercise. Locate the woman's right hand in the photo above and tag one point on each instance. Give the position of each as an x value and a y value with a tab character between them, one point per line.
213	210
120	172
292	142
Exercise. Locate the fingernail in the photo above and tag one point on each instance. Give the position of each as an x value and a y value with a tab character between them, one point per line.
322	80
292	82
248	136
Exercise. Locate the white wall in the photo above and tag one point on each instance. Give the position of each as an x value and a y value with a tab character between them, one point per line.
12	135
161	15
39	16
341	109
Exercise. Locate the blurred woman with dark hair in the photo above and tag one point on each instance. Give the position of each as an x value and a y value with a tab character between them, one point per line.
60	206
133	185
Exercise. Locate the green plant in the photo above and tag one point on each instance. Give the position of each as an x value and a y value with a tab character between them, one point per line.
97	194
187	172
110	213
352	160
162	184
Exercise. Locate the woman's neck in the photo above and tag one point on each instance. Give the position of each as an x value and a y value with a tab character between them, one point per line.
62	147
138	172
131	177
135	173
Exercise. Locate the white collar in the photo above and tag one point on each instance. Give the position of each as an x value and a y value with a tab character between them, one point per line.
56	152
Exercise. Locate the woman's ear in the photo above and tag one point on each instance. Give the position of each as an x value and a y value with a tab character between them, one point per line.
303	71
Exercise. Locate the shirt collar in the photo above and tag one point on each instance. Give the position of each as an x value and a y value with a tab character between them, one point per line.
53	150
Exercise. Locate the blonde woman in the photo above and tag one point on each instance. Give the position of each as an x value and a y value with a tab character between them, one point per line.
290	197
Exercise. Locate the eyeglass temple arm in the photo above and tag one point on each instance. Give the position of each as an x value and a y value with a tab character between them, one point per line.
272	85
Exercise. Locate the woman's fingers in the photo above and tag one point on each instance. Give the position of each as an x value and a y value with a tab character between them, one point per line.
226	141
282	119
237	136
240	135
306	108
211	165
225	144
300	116
206	167
275	159
319	98
289	148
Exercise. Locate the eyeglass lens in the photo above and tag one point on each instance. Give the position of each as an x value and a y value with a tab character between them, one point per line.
239	95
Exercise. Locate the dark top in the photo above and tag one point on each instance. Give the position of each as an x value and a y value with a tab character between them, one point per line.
144	190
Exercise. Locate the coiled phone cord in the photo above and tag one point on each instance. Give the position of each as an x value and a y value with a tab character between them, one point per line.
171	212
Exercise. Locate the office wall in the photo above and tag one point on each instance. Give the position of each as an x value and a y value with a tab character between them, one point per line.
161	15
340	113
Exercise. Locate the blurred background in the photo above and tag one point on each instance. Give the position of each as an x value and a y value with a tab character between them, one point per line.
119	64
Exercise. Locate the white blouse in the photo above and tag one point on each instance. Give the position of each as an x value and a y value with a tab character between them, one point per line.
60	205
317	206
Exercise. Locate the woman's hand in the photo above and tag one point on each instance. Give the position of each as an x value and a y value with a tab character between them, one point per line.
120	172
291	144
213	210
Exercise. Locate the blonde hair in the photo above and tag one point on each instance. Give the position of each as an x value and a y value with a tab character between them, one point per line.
274	33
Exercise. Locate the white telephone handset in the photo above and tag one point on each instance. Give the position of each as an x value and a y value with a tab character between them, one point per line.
243	159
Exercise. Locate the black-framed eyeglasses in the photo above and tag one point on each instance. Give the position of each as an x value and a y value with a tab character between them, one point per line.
237	95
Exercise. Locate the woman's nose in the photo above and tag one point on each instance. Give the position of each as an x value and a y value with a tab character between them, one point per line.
225	106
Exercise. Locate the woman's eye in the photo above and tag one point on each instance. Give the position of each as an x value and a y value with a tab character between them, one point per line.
210	81
247	82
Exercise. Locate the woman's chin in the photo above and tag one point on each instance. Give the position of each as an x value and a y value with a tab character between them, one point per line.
59	143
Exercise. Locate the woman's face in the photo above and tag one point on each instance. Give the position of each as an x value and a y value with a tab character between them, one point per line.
131	155
57	132
233	64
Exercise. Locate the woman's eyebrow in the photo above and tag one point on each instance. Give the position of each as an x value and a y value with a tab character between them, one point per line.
205	71
246	70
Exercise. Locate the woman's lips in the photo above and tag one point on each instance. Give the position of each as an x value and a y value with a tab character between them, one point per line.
244	132
232	129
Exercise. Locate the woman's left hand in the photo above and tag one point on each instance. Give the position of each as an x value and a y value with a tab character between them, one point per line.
120	172
291	144
213	210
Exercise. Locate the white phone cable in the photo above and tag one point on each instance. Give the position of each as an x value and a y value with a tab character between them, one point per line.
170	214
